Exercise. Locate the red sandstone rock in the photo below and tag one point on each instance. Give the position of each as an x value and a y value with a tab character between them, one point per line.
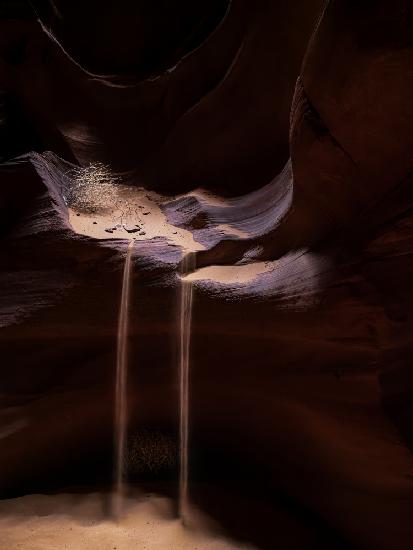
317	398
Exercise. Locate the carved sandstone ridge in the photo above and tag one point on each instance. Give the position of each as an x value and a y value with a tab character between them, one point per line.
362	176
219	119
350	133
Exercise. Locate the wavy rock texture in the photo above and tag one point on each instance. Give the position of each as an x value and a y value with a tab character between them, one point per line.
301	382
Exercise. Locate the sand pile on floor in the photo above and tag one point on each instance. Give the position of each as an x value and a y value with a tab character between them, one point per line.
79	522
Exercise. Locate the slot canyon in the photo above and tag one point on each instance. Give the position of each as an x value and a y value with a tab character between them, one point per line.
206	250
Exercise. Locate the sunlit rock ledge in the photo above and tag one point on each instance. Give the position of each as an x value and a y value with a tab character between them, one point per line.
96	204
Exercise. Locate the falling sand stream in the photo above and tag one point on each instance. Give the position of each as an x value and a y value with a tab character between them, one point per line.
94	204
185	318
120	427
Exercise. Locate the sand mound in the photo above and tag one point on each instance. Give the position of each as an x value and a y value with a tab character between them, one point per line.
81	522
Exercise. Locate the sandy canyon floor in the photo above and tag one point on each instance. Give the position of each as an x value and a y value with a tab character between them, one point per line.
82	522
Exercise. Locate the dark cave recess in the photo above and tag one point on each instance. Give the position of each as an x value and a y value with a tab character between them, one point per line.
126	37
